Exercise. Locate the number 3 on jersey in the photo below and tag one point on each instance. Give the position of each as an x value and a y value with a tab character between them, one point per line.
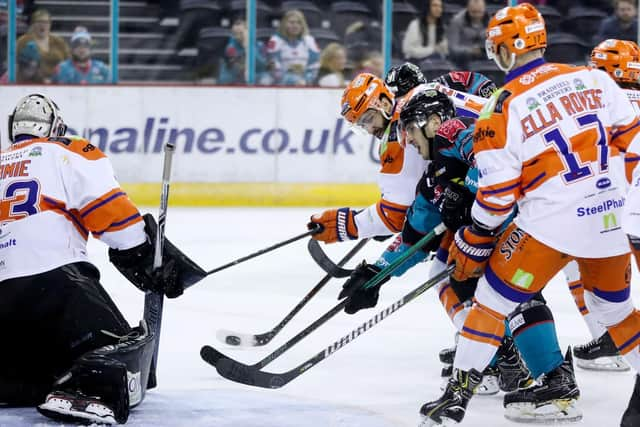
19	200
574	169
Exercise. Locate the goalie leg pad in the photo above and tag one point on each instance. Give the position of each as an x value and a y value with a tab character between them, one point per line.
103	384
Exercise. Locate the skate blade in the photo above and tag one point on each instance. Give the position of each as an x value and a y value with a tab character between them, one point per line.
612	363
557	411
429	422
61	410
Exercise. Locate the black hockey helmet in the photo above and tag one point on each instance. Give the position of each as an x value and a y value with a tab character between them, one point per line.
425	103
402	78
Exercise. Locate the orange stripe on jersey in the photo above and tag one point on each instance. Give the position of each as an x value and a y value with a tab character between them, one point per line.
392	214
110	212
508	187
490	133
623	135
72	215
484	325
392	159
76	145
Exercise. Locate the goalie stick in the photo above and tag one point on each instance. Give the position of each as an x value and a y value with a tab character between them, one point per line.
323	260
249	340
212	354
252	375
154	301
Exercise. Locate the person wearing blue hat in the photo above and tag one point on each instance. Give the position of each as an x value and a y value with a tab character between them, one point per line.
81	68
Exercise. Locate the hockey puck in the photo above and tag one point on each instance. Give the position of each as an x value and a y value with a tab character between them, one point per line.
233	340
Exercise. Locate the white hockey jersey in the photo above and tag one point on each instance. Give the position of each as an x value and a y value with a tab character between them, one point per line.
550	141
53	193
401	167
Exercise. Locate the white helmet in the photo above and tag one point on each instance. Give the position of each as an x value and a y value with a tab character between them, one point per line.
38	116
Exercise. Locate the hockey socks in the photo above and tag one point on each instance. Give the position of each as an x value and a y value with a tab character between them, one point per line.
535	336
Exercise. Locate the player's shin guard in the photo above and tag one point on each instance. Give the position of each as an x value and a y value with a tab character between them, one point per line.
534	333
626	336
572	274
104	383
480	338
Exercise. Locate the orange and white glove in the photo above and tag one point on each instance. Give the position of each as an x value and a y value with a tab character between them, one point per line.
337	225
470	251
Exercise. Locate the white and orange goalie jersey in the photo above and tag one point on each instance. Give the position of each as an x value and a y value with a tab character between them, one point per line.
550	141
55	191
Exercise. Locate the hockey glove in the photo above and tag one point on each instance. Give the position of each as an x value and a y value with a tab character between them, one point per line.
337	225
470	251
455	209
358	297
136	264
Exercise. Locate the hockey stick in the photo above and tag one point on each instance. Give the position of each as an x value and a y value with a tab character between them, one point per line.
211	356
316	229
247	340
252	375
154	301
323	260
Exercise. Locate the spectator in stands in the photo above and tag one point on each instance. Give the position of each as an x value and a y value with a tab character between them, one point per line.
292	53
232	68
466	33
28	66
425	36
623	25
333	60
81	68
360	38
52	49
373	63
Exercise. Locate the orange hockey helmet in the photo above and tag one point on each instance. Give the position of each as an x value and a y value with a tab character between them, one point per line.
619	58
364	92
519	28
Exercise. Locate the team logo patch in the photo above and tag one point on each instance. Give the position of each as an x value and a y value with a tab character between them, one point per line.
522	279
527	79
532	103
579	84
35	152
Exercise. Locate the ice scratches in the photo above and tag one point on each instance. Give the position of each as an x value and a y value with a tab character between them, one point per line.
223	408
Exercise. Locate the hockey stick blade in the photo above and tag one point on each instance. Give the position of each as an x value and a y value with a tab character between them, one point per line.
251	375
241	340
324	262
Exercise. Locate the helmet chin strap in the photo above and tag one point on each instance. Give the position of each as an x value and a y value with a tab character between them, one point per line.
509	67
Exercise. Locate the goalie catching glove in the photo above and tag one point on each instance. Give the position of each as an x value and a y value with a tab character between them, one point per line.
471	248
176	273
357	296
337	225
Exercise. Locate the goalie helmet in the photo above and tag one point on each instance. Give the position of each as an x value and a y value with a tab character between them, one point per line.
620	59
38	116
519	28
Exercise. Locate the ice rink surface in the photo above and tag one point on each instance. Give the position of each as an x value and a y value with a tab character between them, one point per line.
379	380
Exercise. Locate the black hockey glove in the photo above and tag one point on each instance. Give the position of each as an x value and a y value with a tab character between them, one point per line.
136	264
358	297
455	208
177	272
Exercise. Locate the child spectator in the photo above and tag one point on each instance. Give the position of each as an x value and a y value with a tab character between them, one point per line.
28	66
292	52
425	36
232	68
333	59
81	69
52	49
